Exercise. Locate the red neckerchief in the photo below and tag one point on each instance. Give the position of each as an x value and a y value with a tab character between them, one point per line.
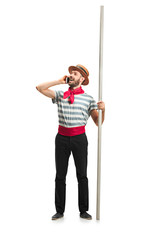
71	93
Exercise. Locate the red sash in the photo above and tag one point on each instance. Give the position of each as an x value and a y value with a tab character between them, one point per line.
71	131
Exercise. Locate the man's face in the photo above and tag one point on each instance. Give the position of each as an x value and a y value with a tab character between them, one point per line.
75	79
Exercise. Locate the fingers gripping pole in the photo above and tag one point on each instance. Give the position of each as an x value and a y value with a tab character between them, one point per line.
100	111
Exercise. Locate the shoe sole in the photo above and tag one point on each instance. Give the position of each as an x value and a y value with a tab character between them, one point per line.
56	218
86	218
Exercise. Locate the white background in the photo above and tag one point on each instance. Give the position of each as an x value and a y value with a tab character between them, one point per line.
39	40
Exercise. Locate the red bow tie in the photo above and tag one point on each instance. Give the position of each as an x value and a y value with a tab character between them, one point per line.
71	93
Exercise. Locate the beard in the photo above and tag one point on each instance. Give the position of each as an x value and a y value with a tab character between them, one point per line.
74	83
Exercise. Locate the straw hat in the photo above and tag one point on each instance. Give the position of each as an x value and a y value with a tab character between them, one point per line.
80	68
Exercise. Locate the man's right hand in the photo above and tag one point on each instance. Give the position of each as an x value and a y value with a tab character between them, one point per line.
63	79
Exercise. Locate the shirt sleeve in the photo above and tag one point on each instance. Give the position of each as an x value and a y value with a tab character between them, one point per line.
57	97
92	106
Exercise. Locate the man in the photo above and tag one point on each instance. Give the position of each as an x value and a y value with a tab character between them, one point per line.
74	108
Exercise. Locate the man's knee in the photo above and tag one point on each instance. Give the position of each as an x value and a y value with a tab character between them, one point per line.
82	178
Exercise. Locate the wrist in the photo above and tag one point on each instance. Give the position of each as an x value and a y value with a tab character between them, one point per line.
59	81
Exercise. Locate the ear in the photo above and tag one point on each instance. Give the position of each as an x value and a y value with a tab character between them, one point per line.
82	79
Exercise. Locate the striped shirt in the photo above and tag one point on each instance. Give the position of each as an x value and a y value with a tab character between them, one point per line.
76	114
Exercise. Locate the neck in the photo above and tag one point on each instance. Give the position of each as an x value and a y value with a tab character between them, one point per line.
73	88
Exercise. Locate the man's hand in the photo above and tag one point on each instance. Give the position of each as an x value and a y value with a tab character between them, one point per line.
101	105
63	80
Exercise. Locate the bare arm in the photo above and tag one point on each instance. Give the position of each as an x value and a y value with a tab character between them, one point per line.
94	113
44	87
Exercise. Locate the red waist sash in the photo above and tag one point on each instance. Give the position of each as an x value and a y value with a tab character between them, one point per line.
71	131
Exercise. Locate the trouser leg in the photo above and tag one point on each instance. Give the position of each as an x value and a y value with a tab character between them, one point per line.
62	153
79	146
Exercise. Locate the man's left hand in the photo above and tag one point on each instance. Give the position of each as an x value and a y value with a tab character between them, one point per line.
101	105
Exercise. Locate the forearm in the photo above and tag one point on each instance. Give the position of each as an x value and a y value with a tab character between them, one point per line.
103	115
101	106
95	115
47	85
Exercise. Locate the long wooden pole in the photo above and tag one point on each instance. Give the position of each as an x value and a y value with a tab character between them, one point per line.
100	112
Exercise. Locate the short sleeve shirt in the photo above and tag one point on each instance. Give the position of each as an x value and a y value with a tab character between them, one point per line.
77	113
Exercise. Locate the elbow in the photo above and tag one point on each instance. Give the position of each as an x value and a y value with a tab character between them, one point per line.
38	88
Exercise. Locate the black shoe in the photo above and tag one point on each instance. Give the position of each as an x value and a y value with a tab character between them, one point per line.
57	216
85	215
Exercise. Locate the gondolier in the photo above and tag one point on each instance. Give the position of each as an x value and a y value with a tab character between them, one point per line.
74	108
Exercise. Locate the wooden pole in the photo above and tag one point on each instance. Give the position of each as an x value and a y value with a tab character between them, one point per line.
100	111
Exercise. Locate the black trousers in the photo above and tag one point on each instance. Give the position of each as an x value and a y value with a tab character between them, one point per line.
64	145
